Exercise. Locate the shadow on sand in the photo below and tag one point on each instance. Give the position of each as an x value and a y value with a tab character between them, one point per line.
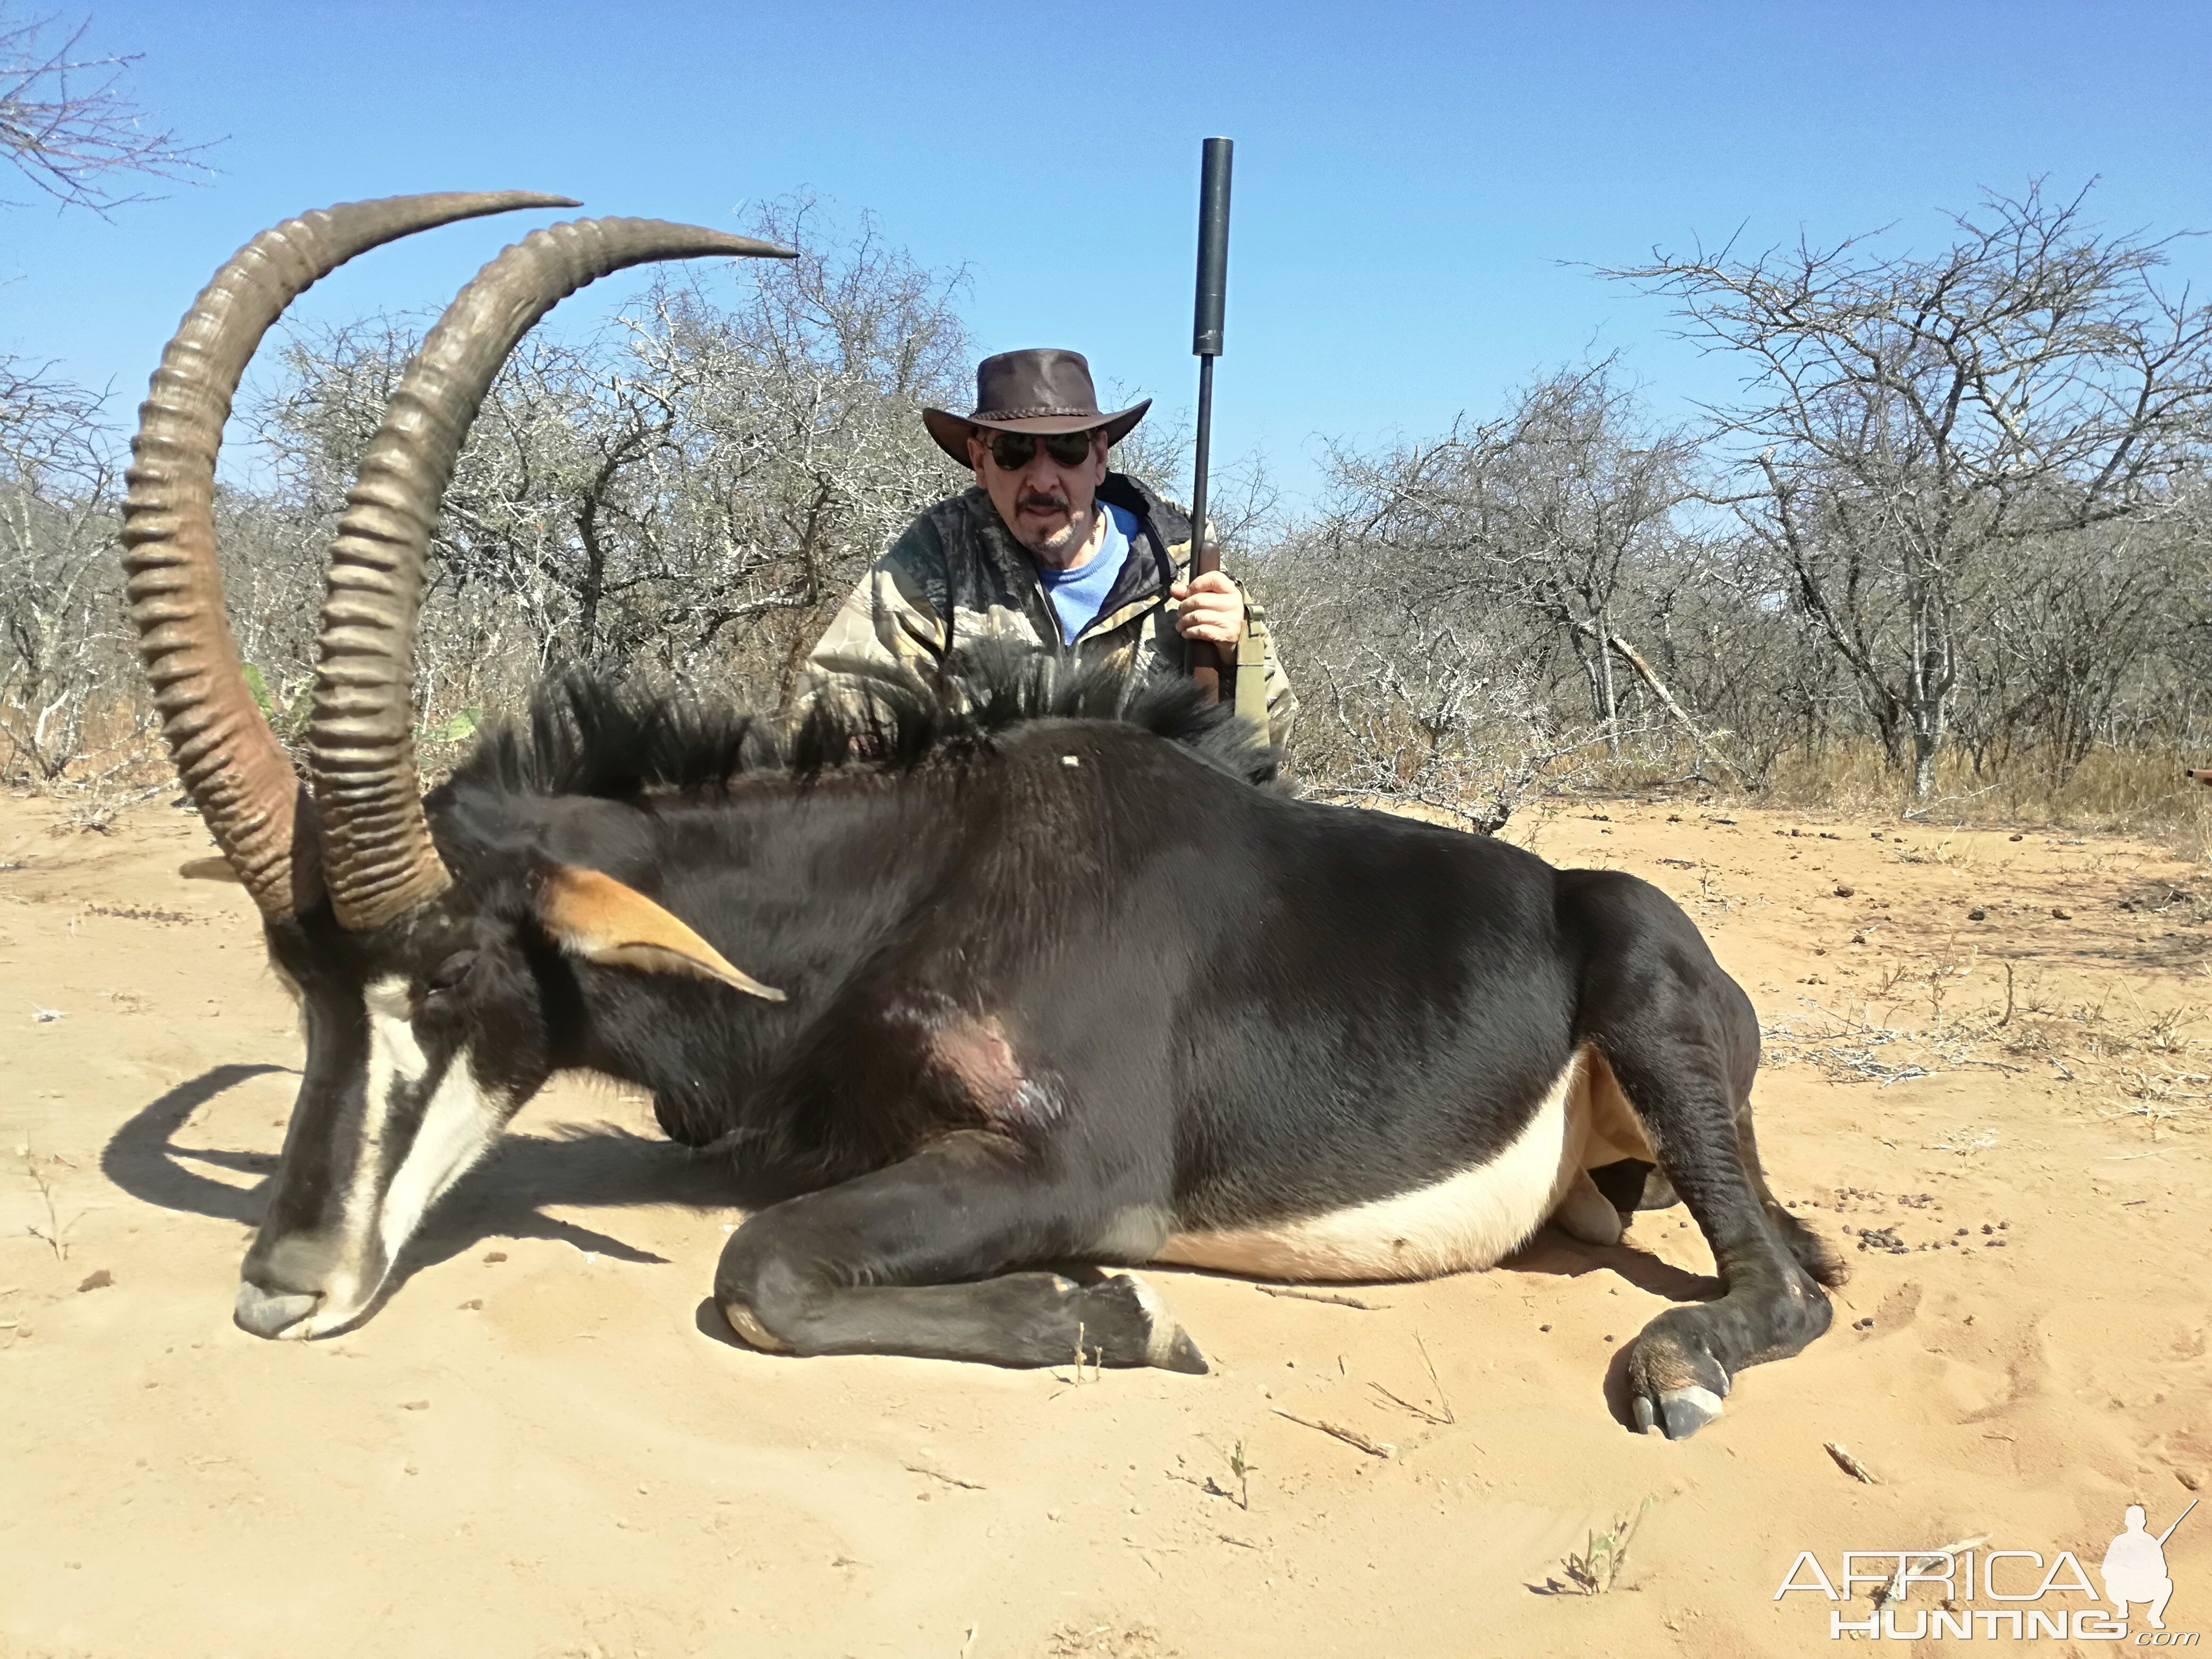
504	1197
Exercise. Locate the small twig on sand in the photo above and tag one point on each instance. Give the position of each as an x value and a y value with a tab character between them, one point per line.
1349	1436
1850	1465
1322	1296
1097	1359
949	1480
1241	1543
1444	1416
1407	1406
55	1233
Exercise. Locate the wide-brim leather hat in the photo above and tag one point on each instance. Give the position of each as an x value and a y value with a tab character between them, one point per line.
1041	390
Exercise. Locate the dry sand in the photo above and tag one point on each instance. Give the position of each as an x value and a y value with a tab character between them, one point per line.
544	1444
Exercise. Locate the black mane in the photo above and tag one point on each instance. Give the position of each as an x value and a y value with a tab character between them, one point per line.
589	736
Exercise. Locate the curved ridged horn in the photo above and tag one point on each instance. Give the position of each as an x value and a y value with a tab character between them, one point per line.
378	859
229	762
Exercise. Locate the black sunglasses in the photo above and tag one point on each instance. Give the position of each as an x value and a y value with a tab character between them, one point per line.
1014	450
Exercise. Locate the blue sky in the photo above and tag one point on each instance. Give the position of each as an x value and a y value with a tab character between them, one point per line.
1416	186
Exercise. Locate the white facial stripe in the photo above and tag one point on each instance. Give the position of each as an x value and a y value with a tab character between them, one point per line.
391	1032
461	1122
1467	1220
395	1059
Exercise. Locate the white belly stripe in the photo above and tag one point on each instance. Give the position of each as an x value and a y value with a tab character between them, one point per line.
1467	1220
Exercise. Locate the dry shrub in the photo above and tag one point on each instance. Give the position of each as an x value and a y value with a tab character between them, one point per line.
2138	792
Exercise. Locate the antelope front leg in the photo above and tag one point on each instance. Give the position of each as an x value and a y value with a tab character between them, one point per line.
923	1259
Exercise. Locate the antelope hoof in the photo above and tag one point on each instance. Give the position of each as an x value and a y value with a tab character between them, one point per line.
1679	1412
1167	1346
1585	1213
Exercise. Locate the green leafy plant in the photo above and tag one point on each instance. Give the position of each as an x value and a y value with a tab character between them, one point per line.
457	727
1595	1568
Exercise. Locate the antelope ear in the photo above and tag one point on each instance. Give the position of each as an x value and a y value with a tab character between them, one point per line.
595	917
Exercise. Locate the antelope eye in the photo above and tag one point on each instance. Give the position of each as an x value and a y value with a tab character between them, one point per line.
450	972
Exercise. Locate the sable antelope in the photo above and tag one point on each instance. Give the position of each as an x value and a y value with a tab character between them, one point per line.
990	1023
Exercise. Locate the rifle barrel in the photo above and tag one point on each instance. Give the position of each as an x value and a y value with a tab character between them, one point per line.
1215	157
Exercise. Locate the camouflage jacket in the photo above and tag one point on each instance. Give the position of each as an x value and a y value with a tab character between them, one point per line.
956	575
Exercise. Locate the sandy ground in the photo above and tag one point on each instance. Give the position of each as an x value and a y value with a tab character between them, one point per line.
544	1445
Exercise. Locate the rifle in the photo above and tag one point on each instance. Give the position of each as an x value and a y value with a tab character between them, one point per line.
1205	663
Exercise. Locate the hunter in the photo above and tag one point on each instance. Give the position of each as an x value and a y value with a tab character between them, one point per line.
1051	549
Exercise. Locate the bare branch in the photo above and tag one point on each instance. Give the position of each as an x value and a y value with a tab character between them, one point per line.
69	127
